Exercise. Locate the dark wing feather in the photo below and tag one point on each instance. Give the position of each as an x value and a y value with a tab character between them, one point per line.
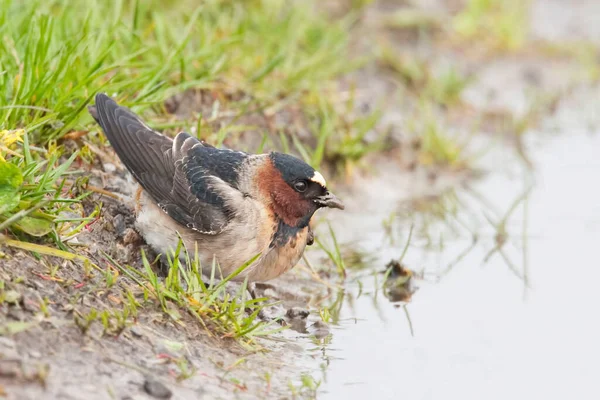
200	169
183	176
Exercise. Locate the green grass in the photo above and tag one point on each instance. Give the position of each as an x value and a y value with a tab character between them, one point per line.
334	253
262	56
59	53
437	146
307	388
222	313
497	24
443	87
412	18
34	191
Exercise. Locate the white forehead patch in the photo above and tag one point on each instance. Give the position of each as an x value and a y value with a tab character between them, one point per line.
318	178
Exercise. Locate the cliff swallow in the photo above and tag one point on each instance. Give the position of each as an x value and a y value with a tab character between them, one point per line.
229	205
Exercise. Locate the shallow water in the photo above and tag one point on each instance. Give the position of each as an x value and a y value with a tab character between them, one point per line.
477	332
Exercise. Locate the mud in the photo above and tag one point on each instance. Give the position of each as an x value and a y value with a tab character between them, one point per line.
56	356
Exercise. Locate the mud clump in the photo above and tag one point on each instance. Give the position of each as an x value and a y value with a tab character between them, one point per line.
399	285
156	389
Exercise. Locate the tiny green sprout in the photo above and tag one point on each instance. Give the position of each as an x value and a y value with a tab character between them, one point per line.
307	388
186	369
84	322
325	314
497	24
268	379
44	303
132	303
114	322
109	278
54	270
446	87
293	389
309	382
105	318
334	254
87	269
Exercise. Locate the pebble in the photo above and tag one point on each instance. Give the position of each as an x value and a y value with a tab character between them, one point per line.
130	236
136	332
109	167
35	354
36	285
10	369
119	224
156	389
297	312
7	343
320	329
12	297
14	314
8	349
30	303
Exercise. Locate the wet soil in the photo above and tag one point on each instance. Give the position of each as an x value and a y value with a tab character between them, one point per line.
51	352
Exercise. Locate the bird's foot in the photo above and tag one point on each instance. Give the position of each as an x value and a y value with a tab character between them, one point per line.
266	313
252	290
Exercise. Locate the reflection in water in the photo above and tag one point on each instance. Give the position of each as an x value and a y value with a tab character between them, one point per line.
471	334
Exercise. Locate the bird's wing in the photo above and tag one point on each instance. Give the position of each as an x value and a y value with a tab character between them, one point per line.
194	183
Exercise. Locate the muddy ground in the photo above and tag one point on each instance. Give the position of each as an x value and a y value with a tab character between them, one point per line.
46	353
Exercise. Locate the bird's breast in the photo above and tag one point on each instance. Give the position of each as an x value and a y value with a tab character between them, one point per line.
280	258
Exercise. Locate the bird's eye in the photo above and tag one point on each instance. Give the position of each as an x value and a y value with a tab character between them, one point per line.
300	186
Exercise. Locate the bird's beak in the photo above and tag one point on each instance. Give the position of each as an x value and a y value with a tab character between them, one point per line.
330	200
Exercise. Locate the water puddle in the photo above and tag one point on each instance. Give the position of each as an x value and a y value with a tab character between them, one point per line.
487	321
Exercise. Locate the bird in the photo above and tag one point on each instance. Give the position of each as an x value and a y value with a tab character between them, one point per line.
228	207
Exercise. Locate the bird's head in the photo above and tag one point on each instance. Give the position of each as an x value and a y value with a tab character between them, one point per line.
295	189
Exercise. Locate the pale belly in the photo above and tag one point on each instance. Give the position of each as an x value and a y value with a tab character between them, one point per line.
230	249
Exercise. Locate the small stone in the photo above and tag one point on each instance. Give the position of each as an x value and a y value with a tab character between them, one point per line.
432	176
156	389
35	354
119	224
136	332
36	285
12	297
68	307
30	303
15	314
130	236
298	325
8	343
109	167
297	312
320	329
10	369
532	76
8	349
